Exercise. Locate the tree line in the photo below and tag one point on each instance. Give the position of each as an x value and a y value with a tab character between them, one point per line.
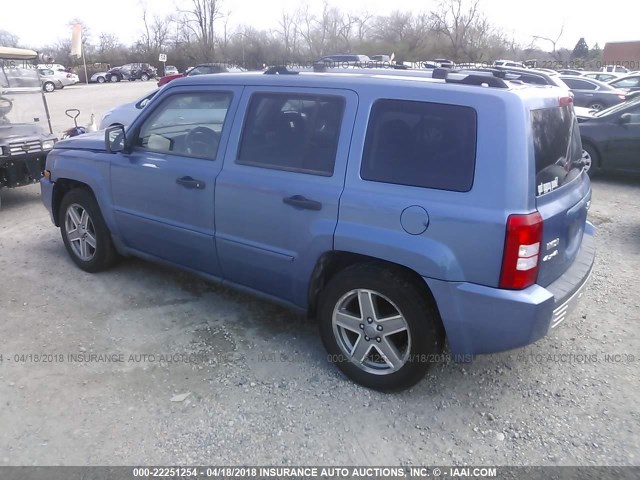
200	32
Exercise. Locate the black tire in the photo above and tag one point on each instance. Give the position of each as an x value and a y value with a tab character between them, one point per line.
595	159
100	80
144	77
48	87
424	326
104	254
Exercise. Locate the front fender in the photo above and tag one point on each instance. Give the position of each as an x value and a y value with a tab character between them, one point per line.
90	168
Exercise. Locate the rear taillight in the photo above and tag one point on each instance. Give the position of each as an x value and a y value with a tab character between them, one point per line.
564	101
521	251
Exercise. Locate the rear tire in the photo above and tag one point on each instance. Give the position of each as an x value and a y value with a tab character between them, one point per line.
49	87
114	78
85	233
144	77
590	160
378	327
101	80
596	106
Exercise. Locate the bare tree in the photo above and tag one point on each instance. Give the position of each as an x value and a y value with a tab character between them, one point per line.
200	18
456	20
8	39
553	42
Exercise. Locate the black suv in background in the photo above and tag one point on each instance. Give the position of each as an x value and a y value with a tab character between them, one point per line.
131	71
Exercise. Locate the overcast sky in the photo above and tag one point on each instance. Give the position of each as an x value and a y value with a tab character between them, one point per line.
40	22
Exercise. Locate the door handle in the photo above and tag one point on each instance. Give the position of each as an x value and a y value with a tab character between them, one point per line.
189	182
302	202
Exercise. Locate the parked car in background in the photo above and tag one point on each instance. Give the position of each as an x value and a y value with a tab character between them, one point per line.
569	71
344	60
203	69
59	72
614	69
391	231
126	113
170	70
630	83
99	77
508	63
602	76
445	63
49	80
611	138
381	58
132	72
592	93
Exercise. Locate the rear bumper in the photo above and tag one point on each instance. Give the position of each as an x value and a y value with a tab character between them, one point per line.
481	319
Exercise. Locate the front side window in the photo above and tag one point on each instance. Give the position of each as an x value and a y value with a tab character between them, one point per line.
187	124
296	132
421	144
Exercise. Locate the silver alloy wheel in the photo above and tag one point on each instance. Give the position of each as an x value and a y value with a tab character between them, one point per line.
114	78
144	77
100	79
586	160
80	232
49	87
597	107
371	331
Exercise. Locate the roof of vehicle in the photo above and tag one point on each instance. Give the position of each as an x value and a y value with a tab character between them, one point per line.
10	53
357	79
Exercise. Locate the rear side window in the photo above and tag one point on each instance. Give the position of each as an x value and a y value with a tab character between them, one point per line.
421	144
295	132
557	147
579	84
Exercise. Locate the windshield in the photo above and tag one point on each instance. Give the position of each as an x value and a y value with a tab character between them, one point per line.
21	96
617	108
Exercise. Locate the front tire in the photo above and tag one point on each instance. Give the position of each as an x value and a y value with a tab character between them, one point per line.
114	78
379	328
144	77
100	80
596	106
84	232
49	87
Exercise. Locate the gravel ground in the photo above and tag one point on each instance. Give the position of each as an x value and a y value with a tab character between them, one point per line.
211	376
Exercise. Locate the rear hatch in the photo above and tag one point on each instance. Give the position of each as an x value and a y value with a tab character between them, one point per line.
563	190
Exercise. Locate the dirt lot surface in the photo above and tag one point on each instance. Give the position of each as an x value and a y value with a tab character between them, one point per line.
186	372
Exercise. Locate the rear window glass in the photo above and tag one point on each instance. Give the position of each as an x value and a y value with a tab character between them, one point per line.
421	144
557	147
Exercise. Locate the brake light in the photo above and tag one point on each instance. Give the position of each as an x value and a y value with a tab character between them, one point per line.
564	101
521	251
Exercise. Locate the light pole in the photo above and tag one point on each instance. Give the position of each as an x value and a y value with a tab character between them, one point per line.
242	37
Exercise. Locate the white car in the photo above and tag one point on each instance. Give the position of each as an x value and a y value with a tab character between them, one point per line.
59	73
126	113
100	77
170	70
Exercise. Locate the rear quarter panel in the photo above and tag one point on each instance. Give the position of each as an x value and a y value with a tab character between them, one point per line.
466	230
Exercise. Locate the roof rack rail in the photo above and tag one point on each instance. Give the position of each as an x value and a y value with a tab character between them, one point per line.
493	79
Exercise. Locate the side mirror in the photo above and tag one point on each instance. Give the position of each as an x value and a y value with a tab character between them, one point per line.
115	139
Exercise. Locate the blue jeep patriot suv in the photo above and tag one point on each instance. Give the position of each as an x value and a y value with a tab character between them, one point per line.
399	208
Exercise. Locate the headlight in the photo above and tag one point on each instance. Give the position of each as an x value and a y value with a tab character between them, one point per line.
48	144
